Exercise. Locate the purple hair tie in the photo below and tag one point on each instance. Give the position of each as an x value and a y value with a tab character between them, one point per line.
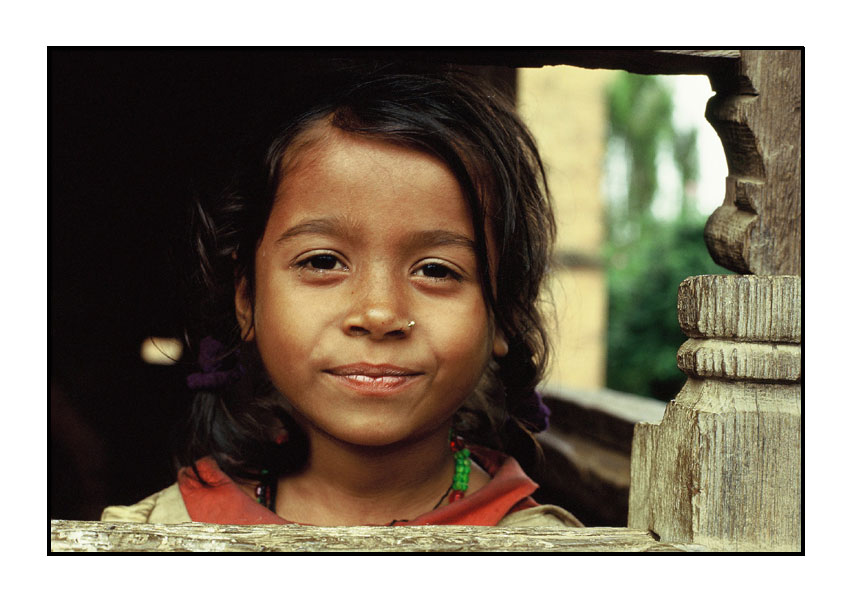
213	375
534	413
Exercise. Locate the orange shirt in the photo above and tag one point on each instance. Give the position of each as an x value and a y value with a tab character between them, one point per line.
224	502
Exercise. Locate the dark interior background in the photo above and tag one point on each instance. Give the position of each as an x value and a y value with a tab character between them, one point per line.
132	134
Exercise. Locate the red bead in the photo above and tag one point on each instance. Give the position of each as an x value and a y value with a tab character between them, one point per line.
457	444
455	495
281	438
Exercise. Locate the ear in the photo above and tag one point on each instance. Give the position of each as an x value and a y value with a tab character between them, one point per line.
244	310
500	344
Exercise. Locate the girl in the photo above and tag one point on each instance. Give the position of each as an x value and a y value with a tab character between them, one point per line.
372	298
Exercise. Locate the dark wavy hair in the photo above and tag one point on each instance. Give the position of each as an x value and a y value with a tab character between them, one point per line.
475	131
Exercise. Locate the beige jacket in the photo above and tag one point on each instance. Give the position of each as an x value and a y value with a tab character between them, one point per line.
166	506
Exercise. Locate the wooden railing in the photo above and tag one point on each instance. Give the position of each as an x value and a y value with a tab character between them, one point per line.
587	451
94	536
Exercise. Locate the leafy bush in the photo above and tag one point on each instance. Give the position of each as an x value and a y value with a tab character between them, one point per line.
643	281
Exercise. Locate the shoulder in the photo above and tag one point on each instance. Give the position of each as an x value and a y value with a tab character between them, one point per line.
541	516
165	506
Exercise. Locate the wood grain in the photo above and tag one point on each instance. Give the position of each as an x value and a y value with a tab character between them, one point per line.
758	229
740	360
743	308
723	467
80	536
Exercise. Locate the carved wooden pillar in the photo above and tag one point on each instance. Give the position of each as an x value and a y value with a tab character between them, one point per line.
722	468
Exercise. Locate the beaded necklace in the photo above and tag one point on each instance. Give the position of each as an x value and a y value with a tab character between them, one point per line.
266	490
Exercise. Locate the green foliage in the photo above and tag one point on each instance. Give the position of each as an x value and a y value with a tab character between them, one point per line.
648	258
640	112
643	281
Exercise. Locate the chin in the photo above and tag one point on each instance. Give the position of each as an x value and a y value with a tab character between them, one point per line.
370	434
372	437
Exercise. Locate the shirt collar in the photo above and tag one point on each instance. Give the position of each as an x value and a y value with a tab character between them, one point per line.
224	502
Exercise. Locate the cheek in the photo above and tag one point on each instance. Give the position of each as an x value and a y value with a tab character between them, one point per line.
275	312
294	325
464	339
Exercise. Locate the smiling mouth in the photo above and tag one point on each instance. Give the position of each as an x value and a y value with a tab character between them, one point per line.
374	379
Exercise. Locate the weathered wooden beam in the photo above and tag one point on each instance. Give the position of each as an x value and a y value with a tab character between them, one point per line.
661	62
587	449
711	62
723	467
94	536
644	61
585	476
605	415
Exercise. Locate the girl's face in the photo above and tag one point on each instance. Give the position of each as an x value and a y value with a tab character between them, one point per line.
364	237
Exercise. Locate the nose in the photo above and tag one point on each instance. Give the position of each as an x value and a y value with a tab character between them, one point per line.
378	312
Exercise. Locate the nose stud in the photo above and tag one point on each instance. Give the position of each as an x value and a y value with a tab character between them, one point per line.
410	324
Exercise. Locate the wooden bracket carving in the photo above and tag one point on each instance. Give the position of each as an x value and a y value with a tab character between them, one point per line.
757	115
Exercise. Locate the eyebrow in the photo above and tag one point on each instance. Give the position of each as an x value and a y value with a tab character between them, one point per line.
441	238
317	226
338	226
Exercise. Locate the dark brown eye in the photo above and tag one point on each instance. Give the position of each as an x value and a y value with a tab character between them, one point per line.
438	271
323	261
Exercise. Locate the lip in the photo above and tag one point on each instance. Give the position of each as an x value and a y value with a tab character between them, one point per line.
374	379
372	370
